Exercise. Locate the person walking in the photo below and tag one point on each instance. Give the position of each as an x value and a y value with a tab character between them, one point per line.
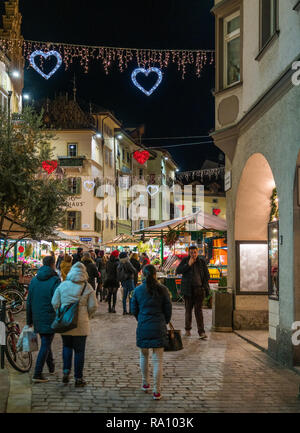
145	261
59	261
65	266
78	256
134	260
151	305
91	269
40	314
100	264
76	287
194	287
126	273
111	282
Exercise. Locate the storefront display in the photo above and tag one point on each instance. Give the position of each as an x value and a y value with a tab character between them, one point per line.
273	256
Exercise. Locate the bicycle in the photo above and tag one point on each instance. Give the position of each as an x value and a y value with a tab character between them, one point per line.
16	293
20	361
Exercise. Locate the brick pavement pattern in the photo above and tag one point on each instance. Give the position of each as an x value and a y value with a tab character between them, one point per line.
222	374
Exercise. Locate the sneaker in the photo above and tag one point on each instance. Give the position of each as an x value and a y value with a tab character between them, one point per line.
80	383
145	388
188	334
39	378
66	378
157	396
203	336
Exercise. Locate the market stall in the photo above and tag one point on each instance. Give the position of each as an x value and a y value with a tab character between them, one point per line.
122	241
174	237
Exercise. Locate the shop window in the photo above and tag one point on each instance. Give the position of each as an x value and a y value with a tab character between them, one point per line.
269	21
252	267
74	185
72	149
232	49
73	221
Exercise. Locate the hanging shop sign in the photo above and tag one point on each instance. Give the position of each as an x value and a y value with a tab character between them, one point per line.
86	239
227	181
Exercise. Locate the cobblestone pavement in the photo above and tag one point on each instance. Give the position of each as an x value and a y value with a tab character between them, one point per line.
222	374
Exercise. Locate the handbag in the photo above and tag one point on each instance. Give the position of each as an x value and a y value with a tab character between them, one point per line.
174	340
67	317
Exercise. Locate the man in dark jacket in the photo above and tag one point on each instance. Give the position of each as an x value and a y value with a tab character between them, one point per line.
91	269
194	287
41	314
78	256
126	273
59	260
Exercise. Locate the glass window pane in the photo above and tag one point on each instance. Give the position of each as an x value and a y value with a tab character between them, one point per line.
254	267
233	61
233	25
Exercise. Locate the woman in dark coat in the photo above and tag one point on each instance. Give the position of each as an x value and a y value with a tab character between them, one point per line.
91	269
111	282
41	314
152	307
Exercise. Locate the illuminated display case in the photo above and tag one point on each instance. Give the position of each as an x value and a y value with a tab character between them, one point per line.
273	256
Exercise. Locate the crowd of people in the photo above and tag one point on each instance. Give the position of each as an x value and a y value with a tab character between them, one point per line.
90	277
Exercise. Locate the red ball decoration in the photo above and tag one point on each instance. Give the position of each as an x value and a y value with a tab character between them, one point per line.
21	249
50	166
141	157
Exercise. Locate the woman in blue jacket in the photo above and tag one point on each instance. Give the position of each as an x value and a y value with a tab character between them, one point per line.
152	307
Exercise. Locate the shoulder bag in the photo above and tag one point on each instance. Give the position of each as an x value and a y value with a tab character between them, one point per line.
67	317
174	340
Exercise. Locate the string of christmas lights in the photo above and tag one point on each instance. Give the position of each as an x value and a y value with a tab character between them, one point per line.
146	58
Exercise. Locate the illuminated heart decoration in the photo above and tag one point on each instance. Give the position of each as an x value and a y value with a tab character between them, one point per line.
89	185
50	166
152	190
181	207
147	72
141	157
216	211
46	55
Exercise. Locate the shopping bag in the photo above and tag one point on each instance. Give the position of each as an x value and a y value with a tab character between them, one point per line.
28	341
174	340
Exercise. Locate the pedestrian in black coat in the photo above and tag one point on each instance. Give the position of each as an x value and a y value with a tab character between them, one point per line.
78	256
91	269
194	287
134	260
111	282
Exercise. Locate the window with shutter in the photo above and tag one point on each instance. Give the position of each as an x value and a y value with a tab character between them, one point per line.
78	221
78	185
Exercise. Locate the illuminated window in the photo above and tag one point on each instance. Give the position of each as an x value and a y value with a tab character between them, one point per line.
72	149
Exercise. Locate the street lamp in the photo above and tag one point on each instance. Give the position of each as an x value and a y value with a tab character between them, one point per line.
26	96
15	74
120	137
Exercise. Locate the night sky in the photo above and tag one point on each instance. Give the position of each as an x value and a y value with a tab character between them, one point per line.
178	108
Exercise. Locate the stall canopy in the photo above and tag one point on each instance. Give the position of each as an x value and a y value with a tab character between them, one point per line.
193	222
122	241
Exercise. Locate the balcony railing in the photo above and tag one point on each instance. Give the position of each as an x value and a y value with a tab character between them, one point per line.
71	161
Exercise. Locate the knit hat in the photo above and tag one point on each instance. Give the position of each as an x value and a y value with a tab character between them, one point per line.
115	253
123	255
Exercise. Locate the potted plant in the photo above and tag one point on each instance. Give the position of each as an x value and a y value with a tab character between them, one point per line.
222	308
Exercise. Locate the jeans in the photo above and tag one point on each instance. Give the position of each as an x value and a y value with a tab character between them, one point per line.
157	359
45	354
77	344
128	286
194	302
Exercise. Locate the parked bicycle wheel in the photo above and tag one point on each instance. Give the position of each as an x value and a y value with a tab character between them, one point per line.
20	361
16	297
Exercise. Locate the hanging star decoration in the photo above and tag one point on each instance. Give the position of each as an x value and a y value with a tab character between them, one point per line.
147	72
46	56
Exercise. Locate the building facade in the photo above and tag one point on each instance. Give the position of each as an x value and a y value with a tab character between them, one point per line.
12	65
257	126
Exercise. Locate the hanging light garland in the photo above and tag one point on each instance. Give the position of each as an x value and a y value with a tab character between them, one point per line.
109	56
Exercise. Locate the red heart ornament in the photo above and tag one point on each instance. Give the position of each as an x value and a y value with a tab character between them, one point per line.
50	166
217	211
141	157
181	207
